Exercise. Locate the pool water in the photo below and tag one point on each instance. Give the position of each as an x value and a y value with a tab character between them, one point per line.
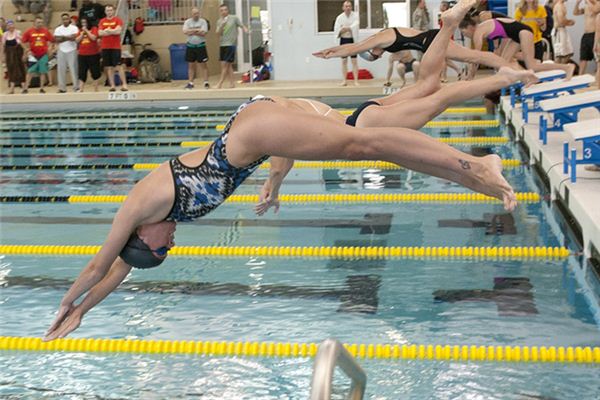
426	301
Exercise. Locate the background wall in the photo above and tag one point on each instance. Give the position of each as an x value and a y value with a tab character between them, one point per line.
295	38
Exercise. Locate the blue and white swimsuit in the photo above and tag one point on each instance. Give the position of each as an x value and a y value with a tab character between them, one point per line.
201	189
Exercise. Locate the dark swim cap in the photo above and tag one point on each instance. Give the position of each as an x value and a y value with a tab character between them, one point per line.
138	254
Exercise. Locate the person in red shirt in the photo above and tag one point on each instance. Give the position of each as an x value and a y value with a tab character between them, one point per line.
109	30
37	42
88	58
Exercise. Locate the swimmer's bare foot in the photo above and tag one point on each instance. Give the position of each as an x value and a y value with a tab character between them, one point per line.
356	83
526	76
343	83
488	179
454	15
592	167
569	70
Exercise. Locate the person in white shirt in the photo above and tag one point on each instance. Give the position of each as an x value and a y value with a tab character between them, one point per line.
346	29
66	55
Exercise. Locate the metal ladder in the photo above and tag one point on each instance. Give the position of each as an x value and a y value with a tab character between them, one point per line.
331	353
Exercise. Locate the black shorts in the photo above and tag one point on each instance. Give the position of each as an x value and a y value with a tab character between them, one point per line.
196	54
227	54
538	51
409	66
89	63
347	40
111	57
586	49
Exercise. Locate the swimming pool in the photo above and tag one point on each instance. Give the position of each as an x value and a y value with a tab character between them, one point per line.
541	302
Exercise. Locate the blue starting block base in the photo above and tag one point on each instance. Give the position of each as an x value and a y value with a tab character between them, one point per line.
591	155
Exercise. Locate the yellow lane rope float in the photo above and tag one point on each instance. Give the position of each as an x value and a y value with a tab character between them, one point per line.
454	198
508	163
475	140
481	123
323	252
439	352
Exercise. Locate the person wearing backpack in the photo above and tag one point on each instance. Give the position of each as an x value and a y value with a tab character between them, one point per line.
195	29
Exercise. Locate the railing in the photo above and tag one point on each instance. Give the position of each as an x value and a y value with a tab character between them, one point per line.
158	12
331	353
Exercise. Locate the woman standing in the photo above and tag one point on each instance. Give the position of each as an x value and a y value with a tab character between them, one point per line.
534	16
12	54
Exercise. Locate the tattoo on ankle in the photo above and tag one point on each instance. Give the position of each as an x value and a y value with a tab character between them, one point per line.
464	164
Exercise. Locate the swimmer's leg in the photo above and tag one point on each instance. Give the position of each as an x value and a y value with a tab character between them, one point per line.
415	114
266	128
433	59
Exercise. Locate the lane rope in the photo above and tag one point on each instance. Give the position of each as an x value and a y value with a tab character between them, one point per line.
175	114
483	123
323	252
479	140
454	198
508	163
437	352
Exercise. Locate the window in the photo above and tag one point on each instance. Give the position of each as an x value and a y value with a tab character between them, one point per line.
374	14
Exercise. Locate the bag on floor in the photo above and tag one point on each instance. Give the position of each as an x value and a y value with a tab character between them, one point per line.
149	72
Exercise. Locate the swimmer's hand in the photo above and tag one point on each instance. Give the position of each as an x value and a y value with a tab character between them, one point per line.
266	200
327	53
67	320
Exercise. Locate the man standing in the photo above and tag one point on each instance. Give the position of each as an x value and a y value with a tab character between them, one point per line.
561	41
195	52
346	29
109	30
66	56
37	43
92	11
586	49
227	29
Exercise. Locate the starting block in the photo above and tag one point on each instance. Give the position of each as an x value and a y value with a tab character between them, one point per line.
588	132
565	109
543	76
549	90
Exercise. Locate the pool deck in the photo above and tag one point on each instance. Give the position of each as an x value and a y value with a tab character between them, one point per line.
174	91
583	197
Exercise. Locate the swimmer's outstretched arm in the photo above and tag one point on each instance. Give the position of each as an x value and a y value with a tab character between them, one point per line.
269	194
379	39
146	203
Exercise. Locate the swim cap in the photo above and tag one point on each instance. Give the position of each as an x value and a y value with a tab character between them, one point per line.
138	254
368	55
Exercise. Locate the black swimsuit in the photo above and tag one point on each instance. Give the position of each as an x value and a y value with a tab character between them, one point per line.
351	120
420	42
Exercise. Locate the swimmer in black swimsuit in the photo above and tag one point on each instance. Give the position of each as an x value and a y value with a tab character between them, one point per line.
414	106
199	181
394	39
517	36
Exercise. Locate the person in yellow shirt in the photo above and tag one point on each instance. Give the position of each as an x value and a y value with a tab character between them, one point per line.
533	15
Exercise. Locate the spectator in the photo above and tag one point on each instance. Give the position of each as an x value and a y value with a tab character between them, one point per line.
195	29
21	3
12	55
561	41
534	16
406	63
89	54
586	49
346	29
66	56
420	17
109	30
597	48
547	33
43	7
37	42
3	25
92	11
227	29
